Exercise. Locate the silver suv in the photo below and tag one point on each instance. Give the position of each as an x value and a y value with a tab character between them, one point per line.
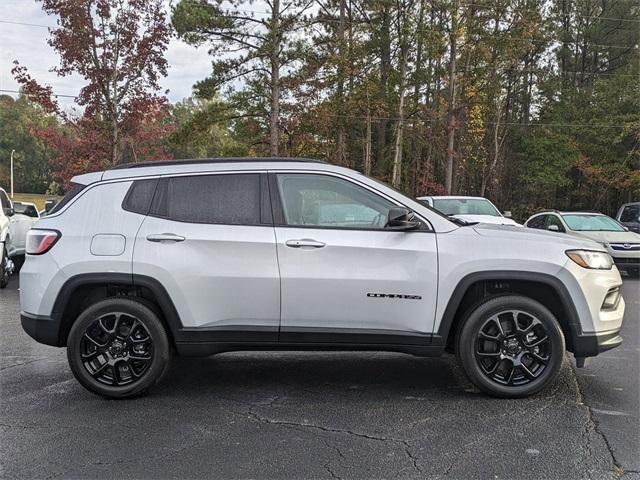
201	257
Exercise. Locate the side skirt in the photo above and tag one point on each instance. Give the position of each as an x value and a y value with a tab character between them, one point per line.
204	349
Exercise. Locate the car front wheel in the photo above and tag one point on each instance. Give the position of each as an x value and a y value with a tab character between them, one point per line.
118	348
510	346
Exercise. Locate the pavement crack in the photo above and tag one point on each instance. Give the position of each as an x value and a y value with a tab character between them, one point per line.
407	447
412	457
333	447
22	364
331	472
594	424
367	436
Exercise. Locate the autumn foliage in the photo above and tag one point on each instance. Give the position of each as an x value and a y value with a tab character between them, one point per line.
118	47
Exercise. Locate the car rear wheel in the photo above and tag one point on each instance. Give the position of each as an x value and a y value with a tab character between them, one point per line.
510	346
4	267
118	348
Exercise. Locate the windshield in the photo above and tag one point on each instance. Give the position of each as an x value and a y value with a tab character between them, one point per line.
465	206
592	223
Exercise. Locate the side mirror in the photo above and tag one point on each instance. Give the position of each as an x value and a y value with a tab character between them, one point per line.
401	218
507	214
49	204
553	228
8	211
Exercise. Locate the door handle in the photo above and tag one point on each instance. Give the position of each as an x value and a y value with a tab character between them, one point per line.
165	237
304	242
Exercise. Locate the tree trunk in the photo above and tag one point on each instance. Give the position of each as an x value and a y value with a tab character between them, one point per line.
385	63
340	135
451	120
274	117
416	146
397	158
497	144
367	145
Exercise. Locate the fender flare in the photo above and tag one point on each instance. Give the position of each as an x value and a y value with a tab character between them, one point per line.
573	326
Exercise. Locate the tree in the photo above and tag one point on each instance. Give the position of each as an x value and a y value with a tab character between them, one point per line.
531	103
257	47
118	47
19	120
203	130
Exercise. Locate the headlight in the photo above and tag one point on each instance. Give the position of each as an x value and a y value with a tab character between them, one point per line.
591	259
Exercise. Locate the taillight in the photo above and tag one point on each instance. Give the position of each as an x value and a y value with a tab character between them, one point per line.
41	241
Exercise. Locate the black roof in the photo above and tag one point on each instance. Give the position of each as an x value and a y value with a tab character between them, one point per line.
164	163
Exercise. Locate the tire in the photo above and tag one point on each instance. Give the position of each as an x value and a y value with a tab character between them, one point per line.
4	274
118	348
18	262
510	346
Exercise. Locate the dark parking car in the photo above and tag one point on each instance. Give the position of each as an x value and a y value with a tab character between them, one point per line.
629	216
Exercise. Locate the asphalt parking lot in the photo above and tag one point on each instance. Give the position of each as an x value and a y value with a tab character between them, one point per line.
316	415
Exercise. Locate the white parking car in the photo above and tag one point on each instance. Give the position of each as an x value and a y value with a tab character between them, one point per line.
201	257
16	219
469	209
6	266
25	214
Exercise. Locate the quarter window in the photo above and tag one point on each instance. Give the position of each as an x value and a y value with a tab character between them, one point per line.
138	199
231	199
330	202
631	213
73	192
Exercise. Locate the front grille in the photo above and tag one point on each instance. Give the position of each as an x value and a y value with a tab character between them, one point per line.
625	247
626	261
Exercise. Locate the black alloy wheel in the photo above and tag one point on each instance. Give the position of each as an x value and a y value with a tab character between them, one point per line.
513	348
4	267
118	347
510	346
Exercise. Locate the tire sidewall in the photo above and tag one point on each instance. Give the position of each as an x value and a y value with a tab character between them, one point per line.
4	278
161	350
467	341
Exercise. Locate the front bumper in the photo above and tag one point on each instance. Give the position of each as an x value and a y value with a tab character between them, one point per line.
42	329
596	326
592	344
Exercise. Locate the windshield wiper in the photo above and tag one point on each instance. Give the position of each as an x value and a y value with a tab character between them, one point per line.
461	222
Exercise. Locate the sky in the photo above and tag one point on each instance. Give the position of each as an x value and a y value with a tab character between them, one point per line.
28	44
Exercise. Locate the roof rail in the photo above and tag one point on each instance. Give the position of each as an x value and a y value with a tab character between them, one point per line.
554	210
163	163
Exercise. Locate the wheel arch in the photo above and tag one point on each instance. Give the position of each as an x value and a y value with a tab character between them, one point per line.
83	290
477	287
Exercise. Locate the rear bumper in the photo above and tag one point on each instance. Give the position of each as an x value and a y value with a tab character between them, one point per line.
42	329
592	344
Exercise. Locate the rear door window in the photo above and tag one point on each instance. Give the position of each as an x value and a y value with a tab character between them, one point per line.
230	199
537	222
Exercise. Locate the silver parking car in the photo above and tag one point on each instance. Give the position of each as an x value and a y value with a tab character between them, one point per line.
621	243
